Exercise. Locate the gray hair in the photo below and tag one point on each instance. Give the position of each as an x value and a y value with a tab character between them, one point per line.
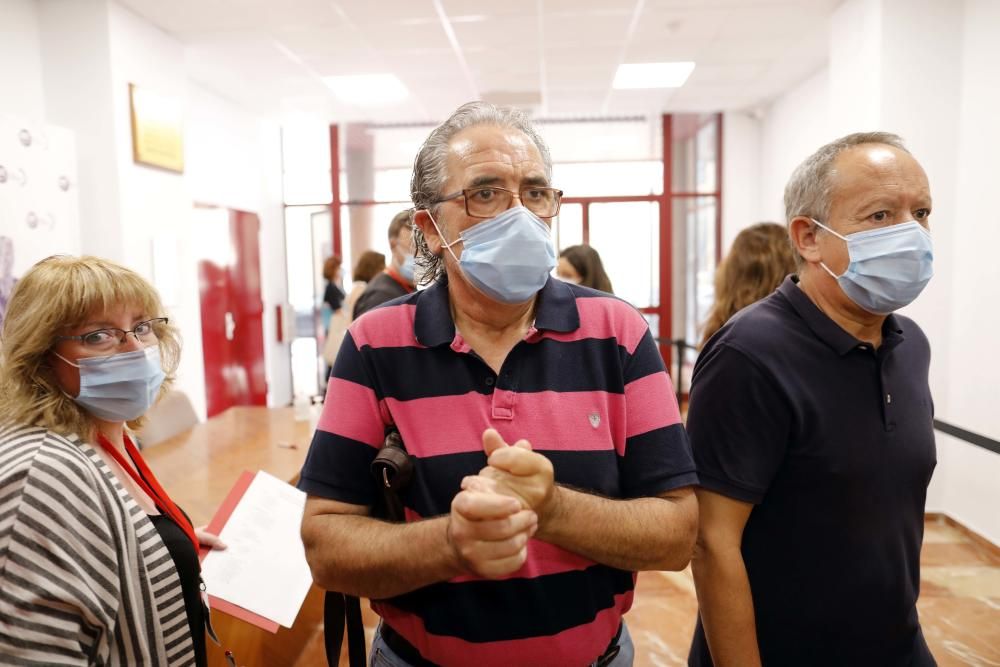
430	166
808	191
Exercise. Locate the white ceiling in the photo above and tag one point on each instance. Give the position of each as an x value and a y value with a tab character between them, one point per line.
556	57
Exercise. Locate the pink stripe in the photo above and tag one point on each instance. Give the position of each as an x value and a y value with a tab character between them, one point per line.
351	411
564	421
605	317
651	404
575	646
543	558
386	327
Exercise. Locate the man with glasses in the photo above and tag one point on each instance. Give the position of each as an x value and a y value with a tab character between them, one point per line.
550	461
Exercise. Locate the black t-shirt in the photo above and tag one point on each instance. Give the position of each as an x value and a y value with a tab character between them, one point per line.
833	443
333	296
189	571
379	290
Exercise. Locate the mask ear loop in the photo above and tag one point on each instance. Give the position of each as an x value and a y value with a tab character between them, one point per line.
842	238
444	245
66	360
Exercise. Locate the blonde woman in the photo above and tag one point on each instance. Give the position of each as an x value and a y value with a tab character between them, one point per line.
759	260
97	565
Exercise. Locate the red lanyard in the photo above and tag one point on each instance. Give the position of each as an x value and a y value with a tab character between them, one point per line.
153	488
399	279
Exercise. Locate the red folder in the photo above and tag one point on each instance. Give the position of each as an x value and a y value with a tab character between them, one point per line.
215	527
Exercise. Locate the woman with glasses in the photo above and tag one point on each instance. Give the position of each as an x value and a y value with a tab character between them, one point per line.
98	566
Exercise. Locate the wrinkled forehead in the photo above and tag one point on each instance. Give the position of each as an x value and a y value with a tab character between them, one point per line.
491	148
877	166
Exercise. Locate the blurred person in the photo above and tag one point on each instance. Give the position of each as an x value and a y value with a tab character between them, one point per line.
398	279
760	258
512	554
333	293
97	565
811	421
369	265
581	265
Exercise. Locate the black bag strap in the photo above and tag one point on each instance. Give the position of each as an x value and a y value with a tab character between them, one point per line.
392	470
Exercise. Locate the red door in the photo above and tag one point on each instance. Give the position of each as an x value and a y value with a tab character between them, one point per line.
232	318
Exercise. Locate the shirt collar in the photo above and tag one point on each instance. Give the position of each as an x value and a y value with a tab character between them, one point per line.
826	329
433	325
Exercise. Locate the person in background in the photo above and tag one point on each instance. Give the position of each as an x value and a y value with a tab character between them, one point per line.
581	265
758	261
333	294
398	278
811	421
551	462
369	265
97	565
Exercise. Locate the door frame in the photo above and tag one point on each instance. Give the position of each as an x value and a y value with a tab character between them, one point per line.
664	309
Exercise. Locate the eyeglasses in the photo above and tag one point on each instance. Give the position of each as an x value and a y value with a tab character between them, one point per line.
107	339
487	202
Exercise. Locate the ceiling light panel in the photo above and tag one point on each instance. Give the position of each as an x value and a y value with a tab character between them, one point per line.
652	75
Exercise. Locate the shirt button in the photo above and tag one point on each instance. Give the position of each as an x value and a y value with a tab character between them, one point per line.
489	382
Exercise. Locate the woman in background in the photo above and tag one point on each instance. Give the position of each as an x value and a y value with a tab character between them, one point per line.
98	566
759	260
369	265
333	295
582	265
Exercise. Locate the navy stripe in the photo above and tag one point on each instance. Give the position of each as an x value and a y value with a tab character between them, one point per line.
349	364
657	461
591	364
332	466
645	360
406	373
491	611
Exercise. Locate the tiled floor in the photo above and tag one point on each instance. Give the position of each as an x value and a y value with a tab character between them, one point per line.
959	607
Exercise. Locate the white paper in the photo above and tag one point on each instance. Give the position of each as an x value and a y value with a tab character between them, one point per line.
264	568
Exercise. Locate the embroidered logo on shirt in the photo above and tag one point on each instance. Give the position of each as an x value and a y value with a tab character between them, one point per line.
595	419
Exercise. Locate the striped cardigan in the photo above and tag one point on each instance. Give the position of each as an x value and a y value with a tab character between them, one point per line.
84	577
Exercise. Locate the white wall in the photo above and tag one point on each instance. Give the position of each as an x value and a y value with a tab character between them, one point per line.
76	64
794	125
74	61
740	174
968	479
21	61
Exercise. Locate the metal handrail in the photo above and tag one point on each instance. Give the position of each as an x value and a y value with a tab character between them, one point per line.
681	345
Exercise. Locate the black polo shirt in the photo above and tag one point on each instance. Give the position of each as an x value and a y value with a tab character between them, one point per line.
833	443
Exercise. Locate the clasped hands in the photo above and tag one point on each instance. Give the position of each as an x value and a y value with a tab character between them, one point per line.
500	509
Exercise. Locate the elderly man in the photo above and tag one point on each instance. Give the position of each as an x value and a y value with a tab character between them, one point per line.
551	463
811	424
398	278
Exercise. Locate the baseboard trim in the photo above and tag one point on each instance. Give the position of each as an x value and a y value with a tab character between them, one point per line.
984	545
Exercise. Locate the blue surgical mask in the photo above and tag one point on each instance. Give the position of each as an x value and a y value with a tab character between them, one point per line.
408	269
121	387
889	266
508	257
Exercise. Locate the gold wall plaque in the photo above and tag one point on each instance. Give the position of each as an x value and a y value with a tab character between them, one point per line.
157	132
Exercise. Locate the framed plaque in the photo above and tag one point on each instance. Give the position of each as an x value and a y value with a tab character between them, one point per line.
157	132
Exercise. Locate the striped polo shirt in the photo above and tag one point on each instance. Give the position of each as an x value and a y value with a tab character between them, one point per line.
586	386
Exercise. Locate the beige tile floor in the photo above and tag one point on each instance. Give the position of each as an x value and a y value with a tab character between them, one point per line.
959	607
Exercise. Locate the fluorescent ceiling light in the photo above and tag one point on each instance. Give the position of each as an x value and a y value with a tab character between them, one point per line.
367	90
653	75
